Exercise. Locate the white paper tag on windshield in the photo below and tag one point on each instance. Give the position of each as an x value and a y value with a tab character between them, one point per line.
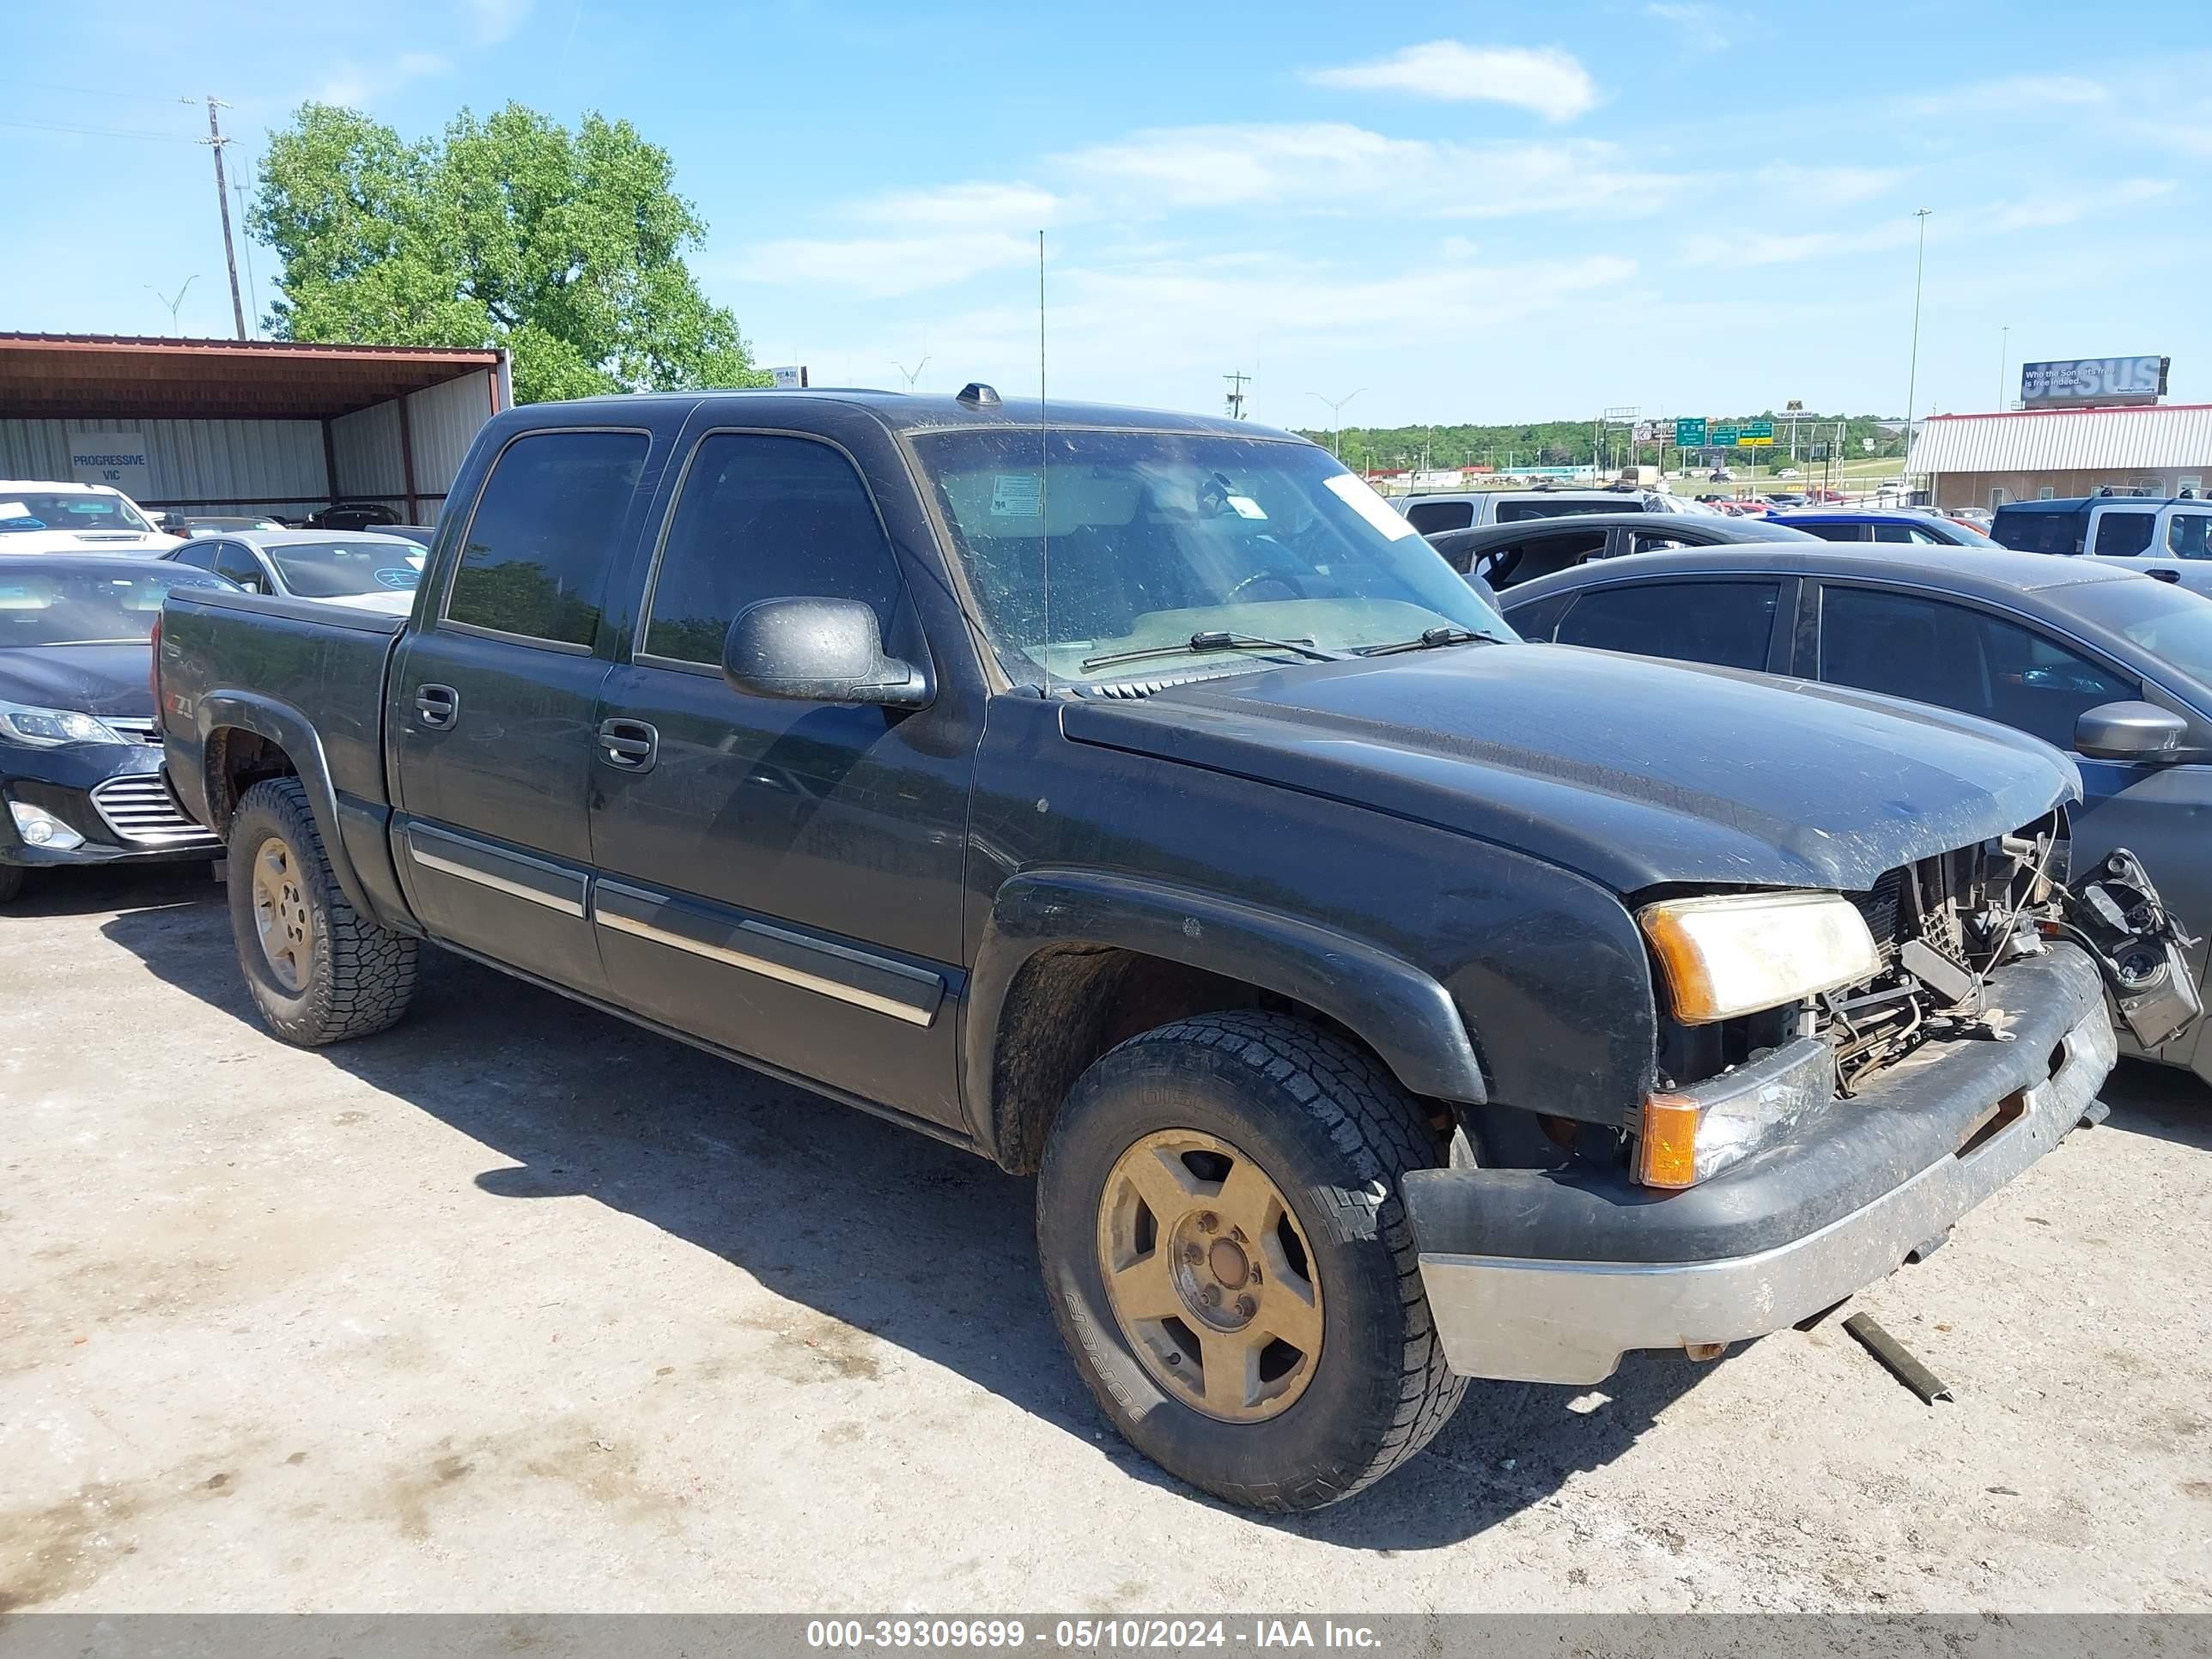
1247	507
1360	496
1017	494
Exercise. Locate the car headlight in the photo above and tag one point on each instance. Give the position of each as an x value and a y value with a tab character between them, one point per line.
50	728
1738	953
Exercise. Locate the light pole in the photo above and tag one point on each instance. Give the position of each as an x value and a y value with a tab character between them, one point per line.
1336	419
1912	376
2004	362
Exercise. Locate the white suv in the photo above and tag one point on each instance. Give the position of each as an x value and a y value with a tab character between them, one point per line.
1472	509
38	516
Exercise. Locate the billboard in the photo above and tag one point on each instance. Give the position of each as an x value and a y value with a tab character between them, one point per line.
2079	382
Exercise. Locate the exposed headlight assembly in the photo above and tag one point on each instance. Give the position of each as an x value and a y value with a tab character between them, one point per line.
50	728
1738	953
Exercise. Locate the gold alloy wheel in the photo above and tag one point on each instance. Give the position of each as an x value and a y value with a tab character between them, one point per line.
1209	1276
280	917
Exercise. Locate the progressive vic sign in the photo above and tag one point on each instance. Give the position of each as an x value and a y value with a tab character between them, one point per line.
2078	382
116	459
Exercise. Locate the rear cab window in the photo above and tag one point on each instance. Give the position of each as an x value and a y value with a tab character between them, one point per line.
545	535
1430	517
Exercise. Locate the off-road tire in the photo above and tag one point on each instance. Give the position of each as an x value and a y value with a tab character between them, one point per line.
11	882
360	975
1333	1131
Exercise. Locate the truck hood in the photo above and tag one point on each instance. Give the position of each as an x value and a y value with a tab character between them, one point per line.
1631	771
84	679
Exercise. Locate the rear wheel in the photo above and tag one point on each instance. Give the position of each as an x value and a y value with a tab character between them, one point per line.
319	972
1230	1266
11	881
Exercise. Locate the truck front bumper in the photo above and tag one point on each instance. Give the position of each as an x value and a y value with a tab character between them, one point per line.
1550	1276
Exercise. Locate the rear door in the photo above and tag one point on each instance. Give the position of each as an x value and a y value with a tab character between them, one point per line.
2182	548
782	878
1731	622
491	701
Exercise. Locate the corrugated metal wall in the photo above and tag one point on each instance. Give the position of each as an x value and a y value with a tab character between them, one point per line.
443	421
267	466
276	466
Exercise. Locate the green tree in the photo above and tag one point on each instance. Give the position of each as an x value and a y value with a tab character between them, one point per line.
565	247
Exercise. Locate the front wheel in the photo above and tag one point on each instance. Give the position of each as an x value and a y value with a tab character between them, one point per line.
1230	1263
319	972
11	882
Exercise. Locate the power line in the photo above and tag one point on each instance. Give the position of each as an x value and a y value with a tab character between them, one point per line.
97	133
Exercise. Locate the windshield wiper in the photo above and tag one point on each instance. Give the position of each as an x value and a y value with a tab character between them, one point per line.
1431	640
1204	642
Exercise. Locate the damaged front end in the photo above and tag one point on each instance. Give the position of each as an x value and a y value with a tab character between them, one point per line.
1936	932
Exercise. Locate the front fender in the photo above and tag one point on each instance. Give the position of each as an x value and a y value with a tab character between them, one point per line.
1405	1015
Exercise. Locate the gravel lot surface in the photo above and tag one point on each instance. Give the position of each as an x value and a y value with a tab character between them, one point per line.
517	1307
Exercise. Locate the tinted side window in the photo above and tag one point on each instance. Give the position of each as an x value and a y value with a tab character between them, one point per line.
1906	533
1538	619
240	565
1519	512
764	518
2034	531
1729	624
543	537
1428	517
1957	658
2189	535
2124	534
1829	530
199	555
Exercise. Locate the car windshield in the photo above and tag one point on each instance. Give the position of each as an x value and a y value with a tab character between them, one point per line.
2172	624
23	515
1152	539
339	569
76	607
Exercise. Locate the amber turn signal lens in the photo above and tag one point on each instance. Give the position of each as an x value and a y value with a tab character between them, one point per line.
1667	1152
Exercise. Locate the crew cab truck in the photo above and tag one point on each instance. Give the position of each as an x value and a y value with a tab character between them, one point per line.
1137	800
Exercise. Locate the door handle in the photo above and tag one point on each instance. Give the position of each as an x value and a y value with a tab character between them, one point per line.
630	745
440	706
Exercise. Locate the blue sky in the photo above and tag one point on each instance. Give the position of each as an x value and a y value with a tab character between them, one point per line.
1460	212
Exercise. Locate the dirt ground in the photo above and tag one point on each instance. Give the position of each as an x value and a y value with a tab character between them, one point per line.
517	1307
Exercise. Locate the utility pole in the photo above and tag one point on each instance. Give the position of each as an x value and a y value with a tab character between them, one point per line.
1237	382
1336	419
1912	377
214	141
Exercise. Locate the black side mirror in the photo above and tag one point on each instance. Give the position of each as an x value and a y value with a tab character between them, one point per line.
2128	730
819	651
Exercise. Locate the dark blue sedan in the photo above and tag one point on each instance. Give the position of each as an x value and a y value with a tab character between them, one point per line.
2108	665
1899	527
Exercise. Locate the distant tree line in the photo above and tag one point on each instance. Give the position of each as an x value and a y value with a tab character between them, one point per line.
1573	443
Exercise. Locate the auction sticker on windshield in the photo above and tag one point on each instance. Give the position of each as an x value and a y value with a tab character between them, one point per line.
1360	496
1017	494
399	577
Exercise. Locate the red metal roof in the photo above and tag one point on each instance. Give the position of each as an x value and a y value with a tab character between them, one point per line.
134	378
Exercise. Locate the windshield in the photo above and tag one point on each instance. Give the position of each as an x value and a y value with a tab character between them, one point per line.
2172	624
75	607
1152	538
92	510
341	570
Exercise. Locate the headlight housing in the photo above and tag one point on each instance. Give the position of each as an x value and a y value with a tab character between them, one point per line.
1737	954
50	728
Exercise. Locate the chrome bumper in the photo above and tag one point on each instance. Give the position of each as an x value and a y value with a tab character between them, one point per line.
1533	1321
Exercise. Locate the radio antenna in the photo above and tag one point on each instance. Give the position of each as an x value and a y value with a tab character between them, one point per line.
1044	479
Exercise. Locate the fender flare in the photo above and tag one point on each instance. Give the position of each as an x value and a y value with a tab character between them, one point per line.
292	731
1398	1010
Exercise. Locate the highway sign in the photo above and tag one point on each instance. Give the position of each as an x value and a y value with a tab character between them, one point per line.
1757	432
1644	431
1690	433
1721	437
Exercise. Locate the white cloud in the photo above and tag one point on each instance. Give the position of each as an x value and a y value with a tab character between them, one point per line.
1544	79
495	20
1314	165
1703	29
879	267
1984	220
355	87
1823	188
2013	95
976	203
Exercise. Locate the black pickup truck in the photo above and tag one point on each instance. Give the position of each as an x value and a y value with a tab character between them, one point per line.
1137	800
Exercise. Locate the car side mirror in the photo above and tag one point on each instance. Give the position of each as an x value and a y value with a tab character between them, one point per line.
818	651
2128	730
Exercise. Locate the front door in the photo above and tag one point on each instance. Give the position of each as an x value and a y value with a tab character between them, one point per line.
781	878
491	708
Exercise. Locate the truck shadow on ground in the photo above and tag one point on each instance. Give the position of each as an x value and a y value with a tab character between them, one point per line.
870	1226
